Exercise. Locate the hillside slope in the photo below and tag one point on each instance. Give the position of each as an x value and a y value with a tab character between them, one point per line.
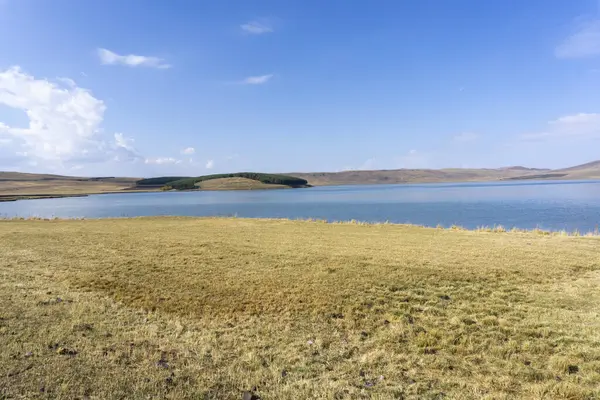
589	170
414	176
16	185
236	184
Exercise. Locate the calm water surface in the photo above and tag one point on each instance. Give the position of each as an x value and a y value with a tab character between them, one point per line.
550	205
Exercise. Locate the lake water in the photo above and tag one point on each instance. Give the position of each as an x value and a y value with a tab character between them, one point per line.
552	205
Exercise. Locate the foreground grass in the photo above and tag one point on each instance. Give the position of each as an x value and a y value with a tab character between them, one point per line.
208	308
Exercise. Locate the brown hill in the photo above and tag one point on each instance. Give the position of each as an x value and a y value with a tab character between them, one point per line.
22	185
19	185
589	170
414	176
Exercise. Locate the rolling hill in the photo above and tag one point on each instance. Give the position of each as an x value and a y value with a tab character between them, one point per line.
589	170
18	185
415	176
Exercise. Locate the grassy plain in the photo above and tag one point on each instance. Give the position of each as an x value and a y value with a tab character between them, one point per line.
15	186
208	308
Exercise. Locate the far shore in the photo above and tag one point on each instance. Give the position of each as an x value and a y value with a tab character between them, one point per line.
8	197
29	186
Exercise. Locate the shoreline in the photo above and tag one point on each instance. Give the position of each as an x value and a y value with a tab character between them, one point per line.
17	197
497	229
10	197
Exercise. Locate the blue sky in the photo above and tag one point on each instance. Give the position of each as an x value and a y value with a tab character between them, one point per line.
148	87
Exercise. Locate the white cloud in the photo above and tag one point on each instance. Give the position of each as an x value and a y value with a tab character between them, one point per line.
257	80
256	28
188	151
108	57
465	137
210	164
123	142
162	160
124	148
569	126
67	81
64	126
584	42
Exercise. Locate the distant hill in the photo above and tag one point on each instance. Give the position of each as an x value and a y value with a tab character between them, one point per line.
520	168
414	175
16	185
23	176
586	166
589	170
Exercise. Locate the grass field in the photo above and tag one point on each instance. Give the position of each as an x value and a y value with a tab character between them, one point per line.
188	308
236	184
16	186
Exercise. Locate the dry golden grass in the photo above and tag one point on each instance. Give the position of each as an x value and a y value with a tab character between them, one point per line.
236	184
207	308
62	187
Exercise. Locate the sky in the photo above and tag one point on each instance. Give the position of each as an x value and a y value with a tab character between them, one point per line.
185	87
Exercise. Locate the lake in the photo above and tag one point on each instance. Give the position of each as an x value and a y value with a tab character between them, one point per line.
552	205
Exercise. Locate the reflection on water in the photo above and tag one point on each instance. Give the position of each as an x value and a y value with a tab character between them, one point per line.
549	205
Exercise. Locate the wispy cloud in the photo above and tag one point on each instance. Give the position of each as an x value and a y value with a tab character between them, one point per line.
162	160
125	149
256	28
210	164
257	80
466	137
583	42
108	57
569	126
188	151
